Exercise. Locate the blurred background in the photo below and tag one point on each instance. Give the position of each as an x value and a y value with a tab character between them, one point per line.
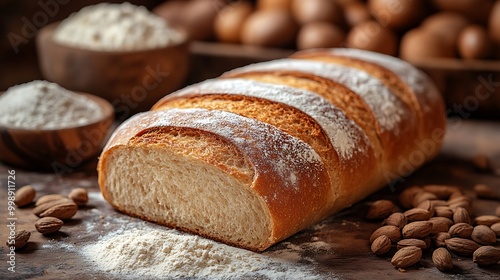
455	42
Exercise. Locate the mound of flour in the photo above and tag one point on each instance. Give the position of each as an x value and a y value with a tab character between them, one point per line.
152	253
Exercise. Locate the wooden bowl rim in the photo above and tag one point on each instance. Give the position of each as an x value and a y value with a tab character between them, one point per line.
49	29
106	107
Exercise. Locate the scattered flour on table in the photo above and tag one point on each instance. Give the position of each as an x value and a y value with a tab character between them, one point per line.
153	253
45	105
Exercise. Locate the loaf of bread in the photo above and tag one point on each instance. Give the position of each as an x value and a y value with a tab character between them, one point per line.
264	151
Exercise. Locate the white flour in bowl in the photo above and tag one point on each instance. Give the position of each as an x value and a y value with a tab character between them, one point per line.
45	105
116	27
149	253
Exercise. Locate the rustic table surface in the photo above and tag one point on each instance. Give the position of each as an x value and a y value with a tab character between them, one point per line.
347	233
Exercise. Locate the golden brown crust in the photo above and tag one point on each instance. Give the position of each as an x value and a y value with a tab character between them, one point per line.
422	97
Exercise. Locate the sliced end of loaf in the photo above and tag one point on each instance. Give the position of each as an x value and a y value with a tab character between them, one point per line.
214	173
154	180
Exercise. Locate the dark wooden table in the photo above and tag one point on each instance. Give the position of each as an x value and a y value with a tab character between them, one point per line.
47	257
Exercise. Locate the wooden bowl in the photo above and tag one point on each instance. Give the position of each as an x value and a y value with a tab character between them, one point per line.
59	150
131	80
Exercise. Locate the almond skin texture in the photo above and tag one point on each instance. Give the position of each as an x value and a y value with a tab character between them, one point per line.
427	205
459	198
44	206
79	196
48	198
63	211
461	215
411	242
461	230
440	224
392	232
21	238
48	225
486	220
397	219
440	238
406	257
418	230
442	259
496	229
443	211
25	195
461	246
417	214
380	209
407	196
381	245
484	235
486	255
423	196
436	203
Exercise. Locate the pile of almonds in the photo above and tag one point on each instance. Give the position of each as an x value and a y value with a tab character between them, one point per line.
437	218
53	210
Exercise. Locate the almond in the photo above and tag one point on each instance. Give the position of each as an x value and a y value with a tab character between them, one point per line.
380	209
48	198
441	191
496	229
392	232
440	238
61	211
79	196
397	219
485	191
486	220
486	255
461	246
440	224
411	242
442	259
20	239
461	215
423	196
427	205
24	195
484	235
459	199
381	245
44	206
48	225
435	203
417	214
443	211
406	257
467	206
417	230
407	196
461	230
